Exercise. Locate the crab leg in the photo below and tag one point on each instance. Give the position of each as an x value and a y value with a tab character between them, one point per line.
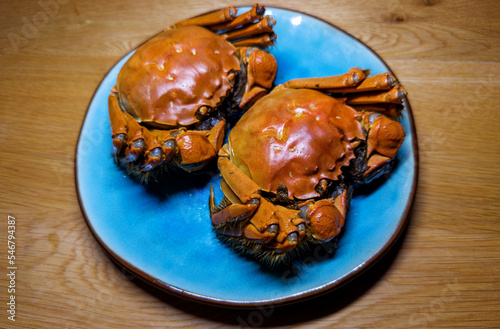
167	143
216	135
140	139
197	148
395	95
264	26
194	148
233	213
241	185
350	79
267	222
259	40
212	18
384	139
246	191
153	152
391	109
326	217
256	13
379	93
292	229
252	28
384	81
135	137
118	125
261	70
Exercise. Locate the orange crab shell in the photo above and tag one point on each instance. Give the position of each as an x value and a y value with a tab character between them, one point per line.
172	75
295	137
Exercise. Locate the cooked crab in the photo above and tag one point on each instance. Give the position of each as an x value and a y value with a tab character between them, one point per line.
292	160
174	93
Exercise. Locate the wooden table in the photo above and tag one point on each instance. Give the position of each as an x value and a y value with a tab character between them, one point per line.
444	271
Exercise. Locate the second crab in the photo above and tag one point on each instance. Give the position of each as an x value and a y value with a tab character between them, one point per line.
292	160
174	93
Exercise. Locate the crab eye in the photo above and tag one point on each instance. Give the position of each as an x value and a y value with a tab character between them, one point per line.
322	186
282	194
231	76
272	229
202	112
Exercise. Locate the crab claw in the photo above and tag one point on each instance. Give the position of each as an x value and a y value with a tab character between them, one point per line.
134	150
384	139
135	137
126	133
249	218
325	218
261	72
118	126
141	150
153	159
197	148
153	154
291	229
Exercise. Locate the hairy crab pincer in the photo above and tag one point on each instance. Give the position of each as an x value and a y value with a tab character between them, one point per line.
292	160
173	95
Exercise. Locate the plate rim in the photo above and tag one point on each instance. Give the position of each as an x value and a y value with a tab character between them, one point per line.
281	301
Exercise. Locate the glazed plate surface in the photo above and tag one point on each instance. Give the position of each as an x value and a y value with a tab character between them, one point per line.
163	233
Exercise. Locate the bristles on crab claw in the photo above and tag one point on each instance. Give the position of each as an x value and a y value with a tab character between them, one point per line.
267	257
236	229
214	208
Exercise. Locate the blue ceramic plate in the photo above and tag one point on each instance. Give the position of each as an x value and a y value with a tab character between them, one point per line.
164	233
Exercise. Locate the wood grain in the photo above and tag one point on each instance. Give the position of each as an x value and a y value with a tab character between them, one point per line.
443	273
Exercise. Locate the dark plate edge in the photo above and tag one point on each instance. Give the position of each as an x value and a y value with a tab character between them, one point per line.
280	301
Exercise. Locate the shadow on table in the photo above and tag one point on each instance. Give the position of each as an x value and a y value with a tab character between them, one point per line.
276	315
